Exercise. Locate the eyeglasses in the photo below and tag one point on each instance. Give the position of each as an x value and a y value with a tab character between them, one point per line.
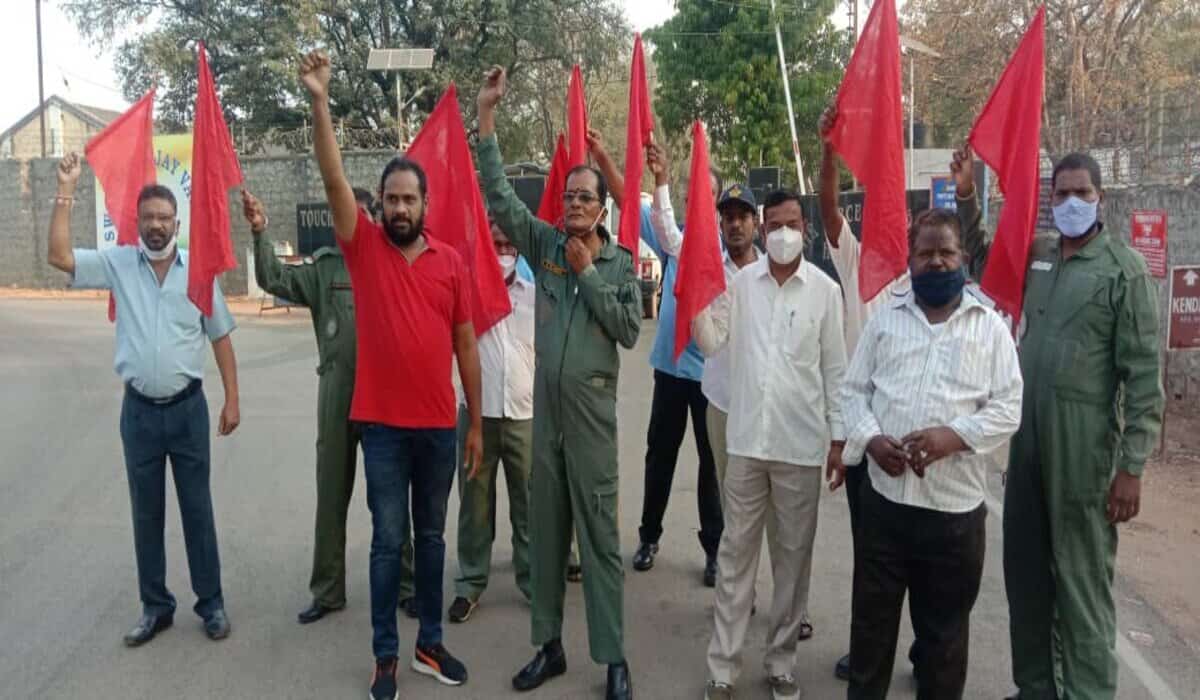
583	196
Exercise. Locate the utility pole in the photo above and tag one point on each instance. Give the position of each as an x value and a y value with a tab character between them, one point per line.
37	4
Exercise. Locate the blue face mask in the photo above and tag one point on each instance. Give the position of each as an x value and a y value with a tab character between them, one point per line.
1075	217
937	288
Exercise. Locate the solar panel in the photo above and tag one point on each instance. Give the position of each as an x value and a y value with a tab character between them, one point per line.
400	59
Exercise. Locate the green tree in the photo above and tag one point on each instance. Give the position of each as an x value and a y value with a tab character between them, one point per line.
254	48
718	62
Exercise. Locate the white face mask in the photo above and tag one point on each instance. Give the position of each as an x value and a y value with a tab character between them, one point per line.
508	263
1075	217
158	255
784	245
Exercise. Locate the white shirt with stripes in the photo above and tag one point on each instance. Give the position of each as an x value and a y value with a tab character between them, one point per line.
908	374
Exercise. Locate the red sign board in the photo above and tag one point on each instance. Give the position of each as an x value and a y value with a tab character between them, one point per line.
1148	230
1183	331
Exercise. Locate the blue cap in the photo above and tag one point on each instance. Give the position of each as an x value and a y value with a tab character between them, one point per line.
739	193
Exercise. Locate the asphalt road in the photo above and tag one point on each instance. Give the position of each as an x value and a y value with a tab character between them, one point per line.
68	588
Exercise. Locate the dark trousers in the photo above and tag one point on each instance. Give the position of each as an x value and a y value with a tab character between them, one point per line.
395	460
938	558
150	433
673	398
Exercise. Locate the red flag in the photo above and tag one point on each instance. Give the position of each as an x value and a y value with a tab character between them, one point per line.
456	214
640	126
868	134
701	275
122	156
215	169
577	149
1007	136
550	209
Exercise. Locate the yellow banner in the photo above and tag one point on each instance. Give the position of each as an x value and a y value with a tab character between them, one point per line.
173	156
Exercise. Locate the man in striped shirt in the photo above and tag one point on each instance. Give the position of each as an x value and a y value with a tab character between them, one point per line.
933	387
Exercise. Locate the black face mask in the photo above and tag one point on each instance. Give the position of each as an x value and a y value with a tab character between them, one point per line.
403	240
937	288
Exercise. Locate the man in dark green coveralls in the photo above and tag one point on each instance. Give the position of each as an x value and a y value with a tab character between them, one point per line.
1093	406
323	285
588	301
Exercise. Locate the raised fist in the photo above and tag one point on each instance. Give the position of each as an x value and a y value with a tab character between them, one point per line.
314	73
826	122
253	210
69	169
963	170
495	84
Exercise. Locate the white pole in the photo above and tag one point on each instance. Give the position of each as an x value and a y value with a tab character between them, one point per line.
399	115
912	115
787	94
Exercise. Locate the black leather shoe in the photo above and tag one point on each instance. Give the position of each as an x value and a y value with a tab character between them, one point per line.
315	612
550	661
842	670
710	572
619	685
643	560
217	626
147	627
574	573
409	606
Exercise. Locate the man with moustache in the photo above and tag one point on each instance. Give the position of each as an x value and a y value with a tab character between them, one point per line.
412	305
160	338
588	302
322	283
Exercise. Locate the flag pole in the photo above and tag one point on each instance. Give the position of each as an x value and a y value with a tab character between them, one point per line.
787	95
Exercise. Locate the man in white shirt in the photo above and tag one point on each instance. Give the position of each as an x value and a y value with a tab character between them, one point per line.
934	386
506	361
782	322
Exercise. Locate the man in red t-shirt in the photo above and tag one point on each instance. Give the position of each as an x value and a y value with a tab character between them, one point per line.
412	309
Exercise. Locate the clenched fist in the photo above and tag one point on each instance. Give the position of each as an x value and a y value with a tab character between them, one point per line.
314	73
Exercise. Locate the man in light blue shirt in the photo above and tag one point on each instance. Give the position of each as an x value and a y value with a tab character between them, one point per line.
676	385
160	339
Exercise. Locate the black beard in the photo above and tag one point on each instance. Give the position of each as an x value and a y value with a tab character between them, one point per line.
403	240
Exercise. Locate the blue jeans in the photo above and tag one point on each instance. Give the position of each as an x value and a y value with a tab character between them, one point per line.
394	459
150	434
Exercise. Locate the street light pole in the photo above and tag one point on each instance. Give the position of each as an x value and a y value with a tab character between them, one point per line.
37	4
914	47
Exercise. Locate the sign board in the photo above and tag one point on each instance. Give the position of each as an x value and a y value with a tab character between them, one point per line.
1183	329
173	158
314	227
942	192
1148	233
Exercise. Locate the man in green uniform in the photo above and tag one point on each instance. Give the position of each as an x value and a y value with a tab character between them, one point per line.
323	285
588	301
1092	409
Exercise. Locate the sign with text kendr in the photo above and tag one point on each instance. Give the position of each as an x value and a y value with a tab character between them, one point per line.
1183	331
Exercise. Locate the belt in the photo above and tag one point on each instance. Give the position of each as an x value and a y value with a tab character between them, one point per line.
192	387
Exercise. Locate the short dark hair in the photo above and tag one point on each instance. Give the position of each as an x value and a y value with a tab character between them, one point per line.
601	184
1077	161
158	192
934	217
403	164
778	197
364	197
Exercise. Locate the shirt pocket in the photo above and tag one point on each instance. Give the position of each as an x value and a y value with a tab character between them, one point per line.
801	337
180	313
548	298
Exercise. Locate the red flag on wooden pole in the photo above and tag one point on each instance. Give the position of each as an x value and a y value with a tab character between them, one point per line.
638	133
122	156
869	136
456	214
550	209
701	275
577	121
215	169
1007	135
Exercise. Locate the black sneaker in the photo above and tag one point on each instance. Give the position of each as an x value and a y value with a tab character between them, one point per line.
383	683
437	662
461	609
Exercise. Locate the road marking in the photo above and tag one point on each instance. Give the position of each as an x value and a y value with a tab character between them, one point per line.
1129	655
